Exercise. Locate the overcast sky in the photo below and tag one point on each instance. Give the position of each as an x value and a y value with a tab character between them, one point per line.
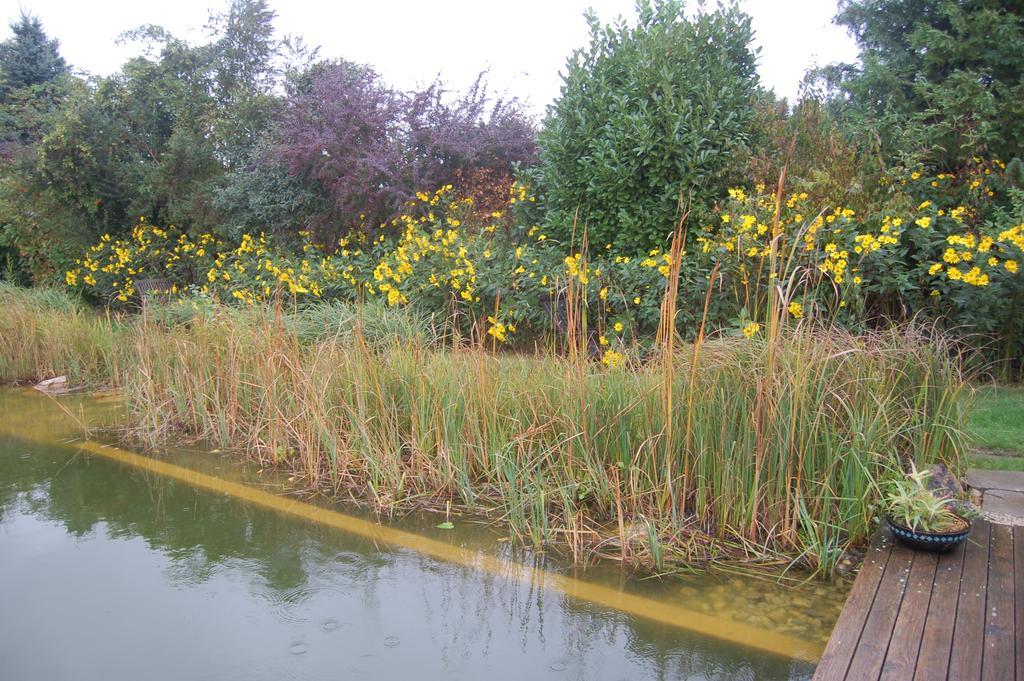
524	44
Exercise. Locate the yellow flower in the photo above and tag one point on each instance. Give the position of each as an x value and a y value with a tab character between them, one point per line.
1010	265
618	327
923	222
975	277
602	340
636	301
796	310
612	358
499	330
751	329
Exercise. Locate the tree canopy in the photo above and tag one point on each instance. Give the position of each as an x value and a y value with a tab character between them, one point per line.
29	57
650	119
944	78
248	130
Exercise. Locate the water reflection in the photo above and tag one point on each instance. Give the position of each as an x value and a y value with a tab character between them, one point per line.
119	573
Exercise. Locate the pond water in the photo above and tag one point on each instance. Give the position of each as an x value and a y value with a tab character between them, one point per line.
187	565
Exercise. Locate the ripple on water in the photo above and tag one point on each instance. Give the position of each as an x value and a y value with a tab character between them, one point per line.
286	605
330	624
297	648
392	641
348	557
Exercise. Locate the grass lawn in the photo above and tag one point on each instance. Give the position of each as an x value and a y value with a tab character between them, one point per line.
996	427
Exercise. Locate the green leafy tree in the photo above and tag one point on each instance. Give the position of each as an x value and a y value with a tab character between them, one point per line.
132	144
246	72
650	118
938	80
158	138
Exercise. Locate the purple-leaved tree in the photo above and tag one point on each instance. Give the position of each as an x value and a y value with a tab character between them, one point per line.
365	148
341	133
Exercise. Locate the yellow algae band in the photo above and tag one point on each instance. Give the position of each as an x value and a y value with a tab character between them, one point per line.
665	613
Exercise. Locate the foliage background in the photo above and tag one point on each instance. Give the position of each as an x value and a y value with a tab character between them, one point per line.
891	190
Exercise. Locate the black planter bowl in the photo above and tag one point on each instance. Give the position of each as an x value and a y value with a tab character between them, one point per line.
933	542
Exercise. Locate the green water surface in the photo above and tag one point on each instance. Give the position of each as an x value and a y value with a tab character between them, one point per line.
108	572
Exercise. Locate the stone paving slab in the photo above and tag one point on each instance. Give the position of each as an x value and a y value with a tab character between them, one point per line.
1002	499
1006	508
1012	481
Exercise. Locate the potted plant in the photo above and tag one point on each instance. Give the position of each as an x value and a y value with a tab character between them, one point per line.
921	519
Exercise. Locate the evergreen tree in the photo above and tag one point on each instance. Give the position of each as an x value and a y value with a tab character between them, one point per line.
943	80
29	57
32	85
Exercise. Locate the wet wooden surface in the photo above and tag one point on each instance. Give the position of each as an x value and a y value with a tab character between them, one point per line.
915	615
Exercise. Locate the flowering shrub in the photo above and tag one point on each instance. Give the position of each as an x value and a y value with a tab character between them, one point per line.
496	277
204	265
113	266
940	246
760	243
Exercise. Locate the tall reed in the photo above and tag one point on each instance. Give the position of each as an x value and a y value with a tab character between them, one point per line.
779	443
46	333
759	447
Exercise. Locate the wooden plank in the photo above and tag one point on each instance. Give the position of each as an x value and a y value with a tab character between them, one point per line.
1018	592
878	628
998	658
969	629
901	656
937	640
843	642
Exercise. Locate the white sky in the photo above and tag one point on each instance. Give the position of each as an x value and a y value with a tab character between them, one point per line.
524	44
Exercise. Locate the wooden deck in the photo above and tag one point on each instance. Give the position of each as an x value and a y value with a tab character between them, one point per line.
913	615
